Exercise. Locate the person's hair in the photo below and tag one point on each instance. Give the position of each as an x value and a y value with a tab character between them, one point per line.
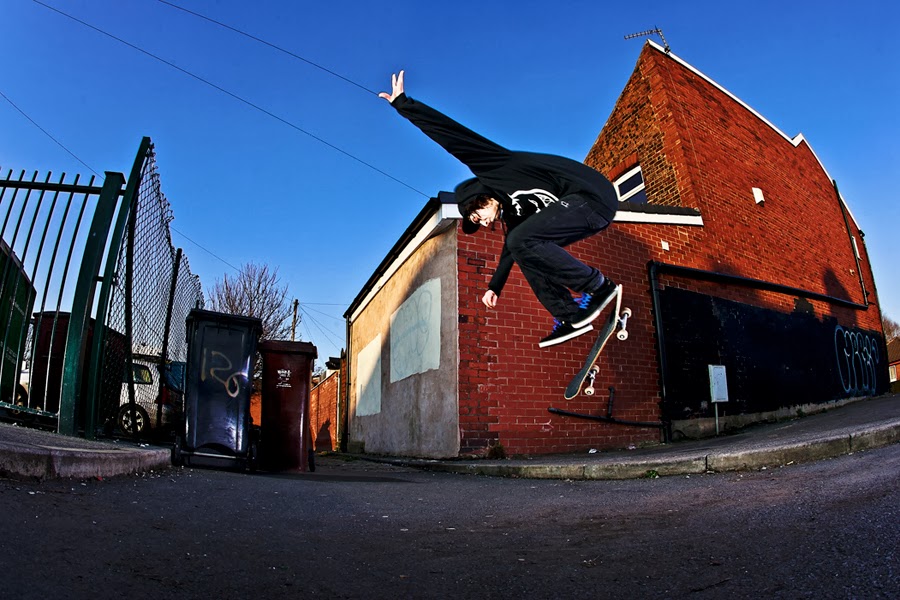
475	203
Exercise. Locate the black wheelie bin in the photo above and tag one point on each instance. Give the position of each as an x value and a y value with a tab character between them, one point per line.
218	384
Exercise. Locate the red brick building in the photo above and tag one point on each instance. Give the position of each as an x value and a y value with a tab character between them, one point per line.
734	247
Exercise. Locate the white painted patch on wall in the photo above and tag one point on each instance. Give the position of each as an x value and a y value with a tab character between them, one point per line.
416	332
368	379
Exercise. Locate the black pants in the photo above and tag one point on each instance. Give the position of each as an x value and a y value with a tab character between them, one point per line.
537	247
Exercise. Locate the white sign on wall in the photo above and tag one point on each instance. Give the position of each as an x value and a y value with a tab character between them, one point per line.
416	332
718	384
368	379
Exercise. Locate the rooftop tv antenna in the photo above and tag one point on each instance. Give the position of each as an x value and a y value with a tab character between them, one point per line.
655	30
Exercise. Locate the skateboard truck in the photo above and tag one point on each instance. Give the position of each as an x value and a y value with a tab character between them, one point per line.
589	382
622	334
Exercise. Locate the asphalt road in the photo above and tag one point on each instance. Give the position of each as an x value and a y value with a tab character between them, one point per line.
363	530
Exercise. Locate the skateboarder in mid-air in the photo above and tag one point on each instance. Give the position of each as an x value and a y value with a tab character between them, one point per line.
544	202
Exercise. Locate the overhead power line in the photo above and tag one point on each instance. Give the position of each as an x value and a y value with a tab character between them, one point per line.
236	97
269	44
331	336
47	133
210	252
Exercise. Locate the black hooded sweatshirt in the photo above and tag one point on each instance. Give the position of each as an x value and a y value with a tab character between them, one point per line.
523	182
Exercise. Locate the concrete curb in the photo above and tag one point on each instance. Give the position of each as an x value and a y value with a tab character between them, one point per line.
22	461
856	427
875	437
610	467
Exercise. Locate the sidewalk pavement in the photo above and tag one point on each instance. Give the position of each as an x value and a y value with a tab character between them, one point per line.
857	426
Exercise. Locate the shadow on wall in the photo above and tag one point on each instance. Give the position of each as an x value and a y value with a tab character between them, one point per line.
323	442
835	289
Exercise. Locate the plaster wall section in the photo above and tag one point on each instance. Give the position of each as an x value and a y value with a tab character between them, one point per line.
405	359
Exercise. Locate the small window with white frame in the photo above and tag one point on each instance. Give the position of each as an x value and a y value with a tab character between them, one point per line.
892	371
630	186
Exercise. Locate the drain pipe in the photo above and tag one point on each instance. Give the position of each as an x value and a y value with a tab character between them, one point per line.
662	426
344	437
853	247
662	359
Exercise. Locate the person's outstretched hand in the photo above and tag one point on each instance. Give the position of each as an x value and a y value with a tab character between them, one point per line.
396	87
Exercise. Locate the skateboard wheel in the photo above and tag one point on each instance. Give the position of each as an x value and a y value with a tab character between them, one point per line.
589	391
622	335
626	311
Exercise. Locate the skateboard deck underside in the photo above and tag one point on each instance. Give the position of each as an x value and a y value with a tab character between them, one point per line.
609	328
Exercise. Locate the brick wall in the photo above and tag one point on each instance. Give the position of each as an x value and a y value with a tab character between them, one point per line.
323	401
632	135
479	338
698	148
256	405
720	150
507	383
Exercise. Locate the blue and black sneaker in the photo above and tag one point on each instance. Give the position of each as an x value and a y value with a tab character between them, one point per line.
592	304
563	331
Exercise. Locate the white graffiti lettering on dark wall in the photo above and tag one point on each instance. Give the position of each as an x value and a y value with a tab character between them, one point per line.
857	360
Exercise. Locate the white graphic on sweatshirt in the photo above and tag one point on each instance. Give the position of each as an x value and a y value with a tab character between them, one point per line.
536	197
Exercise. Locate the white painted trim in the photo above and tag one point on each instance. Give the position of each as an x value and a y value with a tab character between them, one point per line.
451	211
795	141
624	216
629	173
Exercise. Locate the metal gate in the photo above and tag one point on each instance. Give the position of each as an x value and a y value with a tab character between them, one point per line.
93	301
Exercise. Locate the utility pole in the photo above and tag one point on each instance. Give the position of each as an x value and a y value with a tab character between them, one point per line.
294	322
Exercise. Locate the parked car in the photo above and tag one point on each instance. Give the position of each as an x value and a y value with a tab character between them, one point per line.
158	398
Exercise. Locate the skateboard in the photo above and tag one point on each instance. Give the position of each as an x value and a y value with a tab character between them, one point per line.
618	320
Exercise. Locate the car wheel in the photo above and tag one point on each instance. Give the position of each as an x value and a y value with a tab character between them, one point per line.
21	399
138	425
21	395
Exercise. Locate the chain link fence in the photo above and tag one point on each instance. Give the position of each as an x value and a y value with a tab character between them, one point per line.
152	292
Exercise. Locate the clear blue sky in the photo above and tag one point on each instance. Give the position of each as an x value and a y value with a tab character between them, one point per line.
532	75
